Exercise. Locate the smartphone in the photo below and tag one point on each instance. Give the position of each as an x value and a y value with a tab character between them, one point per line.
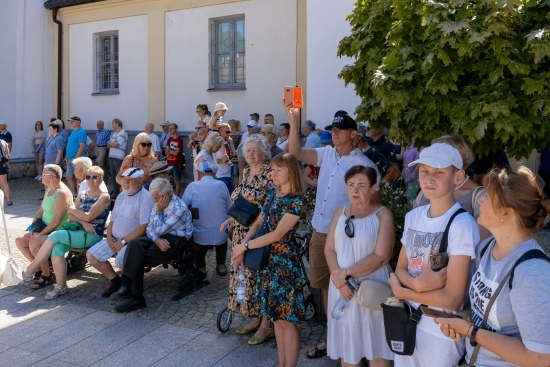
352	283
293	96
439	261
430	312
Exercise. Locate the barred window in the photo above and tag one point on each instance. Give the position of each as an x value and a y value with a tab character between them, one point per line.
227	70
106	80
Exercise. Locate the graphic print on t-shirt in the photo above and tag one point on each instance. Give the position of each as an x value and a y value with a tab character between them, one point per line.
174	146
481	291
421	245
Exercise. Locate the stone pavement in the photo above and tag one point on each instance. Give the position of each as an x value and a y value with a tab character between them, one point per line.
81	329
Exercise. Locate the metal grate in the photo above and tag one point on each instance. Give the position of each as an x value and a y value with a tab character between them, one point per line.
107	72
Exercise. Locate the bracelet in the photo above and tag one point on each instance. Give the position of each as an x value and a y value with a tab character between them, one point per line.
473	336
468	331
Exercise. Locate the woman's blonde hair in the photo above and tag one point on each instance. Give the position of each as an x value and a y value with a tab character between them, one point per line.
520	190
212	140
290	161
141	138
462	145
237	125
97	170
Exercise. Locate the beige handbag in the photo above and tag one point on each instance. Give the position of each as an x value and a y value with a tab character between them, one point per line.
372	293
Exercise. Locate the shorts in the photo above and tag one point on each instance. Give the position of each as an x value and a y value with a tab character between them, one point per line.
3	170
319	274
70	168
102	252
42	149
176	172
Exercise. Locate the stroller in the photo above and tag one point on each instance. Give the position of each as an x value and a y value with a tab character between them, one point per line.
225	316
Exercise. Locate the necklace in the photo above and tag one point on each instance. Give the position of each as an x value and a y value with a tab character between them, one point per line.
462	184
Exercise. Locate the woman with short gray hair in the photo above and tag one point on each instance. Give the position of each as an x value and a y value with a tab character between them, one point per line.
262	145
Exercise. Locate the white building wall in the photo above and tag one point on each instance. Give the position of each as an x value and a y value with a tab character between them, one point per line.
28	89
130	105
326	93
270	36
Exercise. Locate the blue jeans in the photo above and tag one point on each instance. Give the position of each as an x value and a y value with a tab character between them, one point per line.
228	182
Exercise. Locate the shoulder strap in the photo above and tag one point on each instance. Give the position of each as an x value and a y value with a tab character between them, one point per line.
445	238
485	248
531	254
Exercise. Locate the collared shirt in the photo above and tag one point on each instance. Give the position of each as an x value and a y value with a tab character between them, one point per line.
164	139
175	219
212	199
102	137
332	192
156	143
313	140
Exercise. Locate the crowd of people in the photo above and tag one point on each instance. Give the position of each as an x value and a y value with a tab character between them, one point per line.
336	174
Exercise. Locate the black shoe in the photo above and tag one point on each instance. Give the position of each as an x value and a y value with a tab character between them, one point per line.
115	286
131	305
123	293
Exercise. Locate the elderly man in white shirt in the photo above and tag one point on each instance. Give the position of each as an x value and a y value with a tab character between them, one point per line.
212	199
156	148
332	193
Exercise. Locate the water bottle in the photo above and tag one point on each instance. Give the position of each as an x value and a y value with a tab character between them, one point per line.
241	287
338	310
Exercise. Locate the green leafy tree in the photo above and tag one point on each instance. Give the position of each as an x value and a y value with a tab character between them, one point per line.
480	68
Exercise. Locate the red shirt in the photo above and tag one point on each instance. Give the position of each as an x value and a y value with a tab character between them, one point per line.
174	144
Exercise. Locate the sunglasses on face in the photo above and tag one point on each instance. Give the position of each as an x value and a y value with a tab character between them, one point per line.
349	228
199	127
88	177
146	145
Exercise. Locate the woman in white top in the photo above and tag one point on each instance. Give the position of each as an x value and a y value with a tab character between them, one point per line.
211	145
283	132
38	147
359	245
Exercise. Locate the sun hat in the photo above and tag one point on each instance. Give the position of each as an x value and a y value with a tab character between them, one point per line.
439	155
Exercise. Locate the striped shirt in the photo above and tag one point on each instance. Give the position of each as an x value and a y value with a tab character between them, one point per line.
102	137
175	219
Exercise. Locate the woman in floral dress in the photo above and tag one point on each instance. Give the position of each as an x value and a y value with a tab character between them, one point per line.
279	285
254	187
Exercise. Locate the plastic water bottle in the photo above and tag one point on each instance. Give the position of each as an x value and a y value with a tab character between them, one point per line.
340	306
241	287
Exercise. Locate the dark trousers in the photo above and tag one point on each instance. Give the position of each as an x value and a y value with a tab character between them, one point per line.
114	167
200	254
143	252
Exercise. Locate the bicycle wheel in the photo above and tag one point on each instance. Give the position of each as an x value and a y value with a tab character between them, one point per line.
310	311
225	317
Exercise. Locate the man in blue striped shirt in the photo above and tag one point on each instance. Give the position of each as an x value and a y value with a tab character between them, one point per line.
102	137
169	234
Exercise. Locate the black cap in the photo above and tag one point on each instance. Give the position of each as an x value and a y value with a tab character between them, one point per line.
343	122
255	114
76	118
340	113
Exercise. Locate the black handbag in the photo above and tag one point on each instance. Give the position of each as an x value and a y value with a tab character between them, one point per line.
258	258
243	211
37	226
400	326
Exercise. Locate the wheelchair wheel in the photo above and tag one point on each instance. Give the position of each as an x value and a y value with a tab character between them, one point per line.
225	317
310	311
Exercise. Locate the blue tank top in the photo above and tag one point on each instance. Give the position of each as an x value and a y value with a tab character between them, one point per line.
86	204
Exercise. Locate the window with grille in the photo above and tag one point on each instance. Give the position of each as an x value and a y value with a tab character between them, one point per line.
107	63
227	70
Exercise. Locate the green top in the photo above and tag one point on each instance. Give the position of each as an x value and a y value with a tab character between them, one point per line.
48	208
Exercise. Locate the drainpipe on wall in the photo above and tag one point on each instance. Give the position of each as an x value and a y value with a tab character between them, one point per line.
59	59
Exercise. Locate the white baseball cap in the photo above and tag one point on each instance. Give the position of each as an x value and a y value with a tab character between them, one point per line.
439	155
133	172
251	123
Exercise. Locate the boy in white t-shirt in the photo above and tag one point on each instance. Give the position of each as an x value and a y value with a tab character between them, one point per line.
440	171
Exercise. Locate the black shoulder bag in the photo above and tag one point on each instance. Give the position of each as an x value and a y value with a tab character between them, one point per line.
258	258
400	322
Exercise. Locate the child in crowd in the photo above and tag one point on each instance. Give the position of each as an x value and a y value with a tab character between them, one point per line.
440	171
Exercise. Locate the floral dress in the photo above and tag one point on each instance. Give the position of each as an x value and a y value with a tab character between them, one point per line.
255	192
279	285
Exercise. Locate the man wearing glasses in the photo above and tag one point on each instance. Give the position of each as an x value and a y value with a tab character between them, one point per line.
150	130
270	133
223	156
174	156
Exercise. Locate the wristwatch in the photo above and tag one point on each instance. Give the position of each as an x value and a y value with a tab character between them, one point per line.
245	246
123	241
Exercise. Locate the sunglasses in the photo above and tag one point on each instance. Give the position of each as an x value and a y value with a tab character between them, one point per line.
146	145
199	127
368	128
349	228
264	133
88	177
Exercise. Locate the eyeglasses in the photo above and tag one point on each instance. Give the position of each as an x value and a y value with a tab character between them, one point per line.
349	228
264	133
199	127
47	174
88	177
146	145
199	111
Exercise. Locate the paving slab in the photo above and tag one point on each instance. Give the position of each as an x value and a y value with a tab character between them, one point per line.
108	341
19	357
150	348
250	356
52	362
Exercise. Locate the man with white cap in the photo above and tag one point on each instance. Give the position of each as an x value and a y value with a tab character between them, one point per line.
164	137
249	126
169	235
416	280
129	219
212	199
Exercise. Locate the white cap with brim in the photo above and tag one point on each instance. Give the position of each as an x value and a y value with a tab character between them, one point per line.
439	155
165	123
133	172
2	122
252	123
206	166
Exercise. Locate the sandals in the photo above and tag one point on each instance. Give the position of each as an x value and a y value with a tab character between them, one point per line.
42	281
10	203
318	353
27	277
254	340
56	292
